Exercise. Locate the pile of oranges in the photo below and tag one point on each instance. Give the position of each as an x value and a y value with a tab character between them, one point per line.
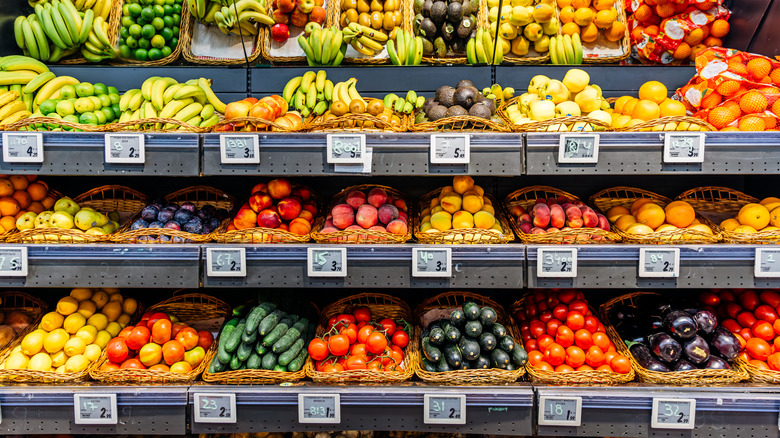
755	217
645	216
20	194
651	104
586	18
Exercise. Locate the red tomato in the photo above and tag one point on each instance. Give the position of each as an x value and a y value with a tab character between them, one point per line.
374	365
376	343
150	354
552	326
766	312
579	306
746	319
544	341
537	328
533	345
520	315
531	311
117	350
175	327
356	363
138	337
125	331
776	326
134	364
364	332
318	349
362	314
555	355
388	325
763	330
770	297
733	309
109	366
709	299
731	325
749	299
601	328
567	296
205	339
526	336
338	345
545	316
552	302
591	324
620	364
583	339
343	319
727	296
188	338
398	356
539	296
758	348
773	361
575	320
594	356
155	317
543	306
161	331
560	311
358	350
351	332
564	337
746	333
400	338
173	352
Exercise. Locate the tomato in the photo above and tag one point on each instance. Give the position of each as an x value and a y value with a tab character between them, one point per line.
531	311
388	325
552	302
195	356
758	348
539	296
564	337
563	369
601	328
526	336
749	299
176	327
763	330
363	333
133	364
351	332
155	317
733	309
400	338
188	338
362	314
575	357
520	315
709	299
397	356
591	324
552	326
766	312
575	320
535	357
161	331
533	345
583	339
376	342
770	297
727	295
205	339
537	328
125	331
594	356
544	366
358	350
620	364
544	341
601	340
332	368
343	319
579	306
338	345
731	325
356	363
545	316
173	352
746	319
746	333
117	350
318	349
109	366
543	306
138	337
150	354
567	296
560	311
776	326
555	355
181	367
760	364
374	365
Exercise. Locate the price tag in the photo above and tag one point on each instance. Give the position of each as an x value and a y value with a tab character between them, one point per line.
683	148
767	263
656	262
556	262
673	413
13	261
95	409
226	262
215	408
450	148
444	409
560	411
239	149
346	148
578	148
319	408
22	148
327	262
432	262
125	148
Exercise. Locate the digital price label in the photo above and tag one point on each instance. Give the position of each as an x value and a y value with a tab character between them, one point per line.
22	147
226	262
556	262
125	148
579	148
319	408
327	262
767	263
657	262
560	411
95	409
684	148
13	261
450	148
346	148
673	413
432	262
239	149
444	409
215	408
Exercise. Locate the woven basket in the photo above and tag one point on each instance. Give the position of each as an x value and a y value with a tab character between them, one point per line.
21	302
349	122
155	124
113	197
266	41
625	196
558	124
458	58
526	198
465	235
382	306
55	235
761	375
623	44
659	123
363	236
457	123
184	29
186	49
34	124
381	57
114	20
494	376
677	378
242	121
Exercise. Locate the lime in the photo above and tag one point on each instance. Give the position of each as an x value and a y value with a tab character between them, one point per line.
108	113
173	42
121	42
176	20
168	21
176	9
155	54
48	106
84	105
67	91
169	2
125	9
166	51
148	31
71	118
166	33
124	51
116	110
96	102
158	41
84	89
127	21
113	90
135	31
144	43
113	97
159	11
141	54
147	2
65	108
147	13
100	88
101	118
105	100
168	10
175	30
178	2
131	42
135	10
158	23
141	22
124	33
159	2
88	118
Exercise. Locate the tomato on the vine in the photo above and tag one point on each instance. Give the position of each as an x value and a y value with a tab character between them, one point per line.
358	349
351	332
362	314
375	365
388	325
364	332
318	349
338	345
376	342
356	363
397	356
401	338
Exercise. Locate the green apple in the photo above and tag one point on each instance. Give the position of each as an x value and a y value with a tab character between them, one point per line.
26	221
542	110
101	220
109	227
113	216
85	219
43	220
62	219
96	231
67	205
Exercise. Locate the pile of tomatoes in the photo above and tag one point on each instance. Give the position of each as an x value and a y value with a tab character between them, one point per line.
561	334
354	341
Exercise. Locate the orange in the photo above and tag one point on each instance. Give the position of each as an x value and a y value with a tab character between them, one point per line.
646	110
567	15
751	123
37	191
563	3
711	100
35	207
759	68
683	51
736	66
769	121
31	178
671	107
48	202
727	88
570	29
636	33
651	215
615	212
754	215
719	28
753	102
623	222
695	51
653	91
19	182
8	206
615	32
665	10
713	42
733	107
680	214
694	37
8	223
643	13
628	107
638	228
720	117
729	224
652	30
621	102
776	107
602	5
6	188
775	76
23	198
638	204
744	229
580	4
705	6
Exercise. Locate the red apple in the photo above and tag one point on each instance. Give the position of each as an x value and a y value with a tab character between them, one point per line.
285	5
281	17
289	208
268	219
298	18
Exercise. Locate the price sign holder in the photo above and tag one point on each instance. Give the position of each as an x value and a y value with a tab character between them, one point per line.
239	149
125	148
22	147
431	262
450	148
13	261
444	409
767	264
659	262
326	262
556	262
684	148
215	408
673	413
95	409
578	149
560	411
319	408
226	262
346	148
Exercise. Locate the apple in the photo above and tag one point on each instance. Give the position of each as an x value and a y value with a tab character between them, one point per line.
268	219
235	110
306	6
310	27
61	219
195	356
285	5
85	219
280	32
26	221
281	17
298	18
318	13
67	205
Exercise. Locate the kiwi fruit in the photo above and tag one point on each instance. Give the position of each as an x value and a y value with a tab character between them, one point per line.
480	110
456	110
439	11
437	112
447	97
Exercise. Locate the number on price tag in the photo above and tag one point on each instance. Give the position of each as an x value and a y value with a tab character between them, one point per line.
239	149
560	411
226	262
444	409
673	413
656	262
556	262
683	148
22	148
319	408
95	409
215	408
450	148
432	262
327	262
346	148
578	148
13	261
125	148
767	263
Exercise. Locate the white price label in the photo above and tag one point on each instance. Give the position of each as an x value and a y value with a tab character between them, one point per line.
319	408
767	263
556	262
560	411
125	148
673	413
22	148
578	148
215	408
239	149
13	261
327	262
346	148
450	148
444	409
657	262
95	409
684	148
226	262
432	262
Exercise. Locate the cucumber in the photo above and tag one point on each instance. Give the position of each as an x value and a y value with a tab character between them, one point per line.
481	363
453	356
487	316
431	353
223	354
458	318
437	336
277	333
216	366
244	350
249	338
498	330
499	358
235	363
298	362
280	368
451	333
473	329
289	338
253	319
487	341
519	356
506	343
240	310
234	338
268	361
268	323
260	349
232	323
254	362
471	309
428	365
469	348
290	354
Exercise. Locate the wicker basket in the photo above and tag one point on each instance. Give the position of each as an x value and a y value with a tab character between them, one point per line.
349	122
527	197
363	236
55	235
761	375
455	58
33	124
494	376
11	301
268	125
381	57
155	124
113	198
188	308
184	29
659	124
382	306
457	123
558	124
678	378
186	49
464	235
622	46
625	196
114	22
266	41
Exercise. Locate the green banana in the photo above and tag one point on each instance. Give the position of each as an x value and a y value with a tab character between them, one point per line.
392	53
211	97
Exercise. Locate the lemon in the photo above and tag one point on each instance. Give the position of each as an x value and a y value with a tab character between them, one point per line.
102	338
52	321
114	328
60	369
74	322
55	340
129	306
75	346
99	321
123	320
58	359
92	352
87	333
87	308
17	361
100	298
33	342
17	349
67	305
81	293
112	310
76	363
39	362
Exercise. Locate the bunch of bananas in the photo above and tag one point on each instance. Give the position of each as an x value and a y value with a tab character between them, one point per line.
346	93
101	8
12	108
311	93
25	76
229	17
324	46
566	49
406	50
365	40
404	105
480	49
347	100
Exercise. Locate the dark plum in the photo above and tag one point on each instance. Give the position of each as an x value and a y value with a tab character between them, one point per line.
163	238
173	225
213	223
189	206
221	214
208	210
149	213
138	224
194	226
183	216
156	224
165	215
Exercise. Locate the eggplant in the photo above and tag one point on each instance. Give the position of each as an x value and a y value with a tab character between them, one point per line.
696	350
725	343
680	325
630	332
644	357
622	312
684	365
665	347
653	323
716	363
706	321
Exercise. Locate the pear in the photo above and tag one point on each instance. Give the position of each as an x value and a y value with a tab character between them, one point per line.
508	30
542	44
533	31
520	46
542	110
576	80
520	16
526	99
551	27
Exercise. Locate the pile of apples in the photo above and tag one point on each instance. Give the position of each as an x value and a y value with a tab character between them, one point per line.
376	211
645	216
296	13
21	194
558	214
68	215
755	217
272	108
277	205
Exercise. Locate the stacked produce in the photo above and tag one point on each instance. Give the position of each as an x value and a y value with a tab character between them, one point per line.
482	48
461	206
269	108
21	195
324	47
373	209
755	217
646	216
405	49
566	49
149	32
403	105
298	13
552	215
185	217
446	27
522	26
239	19
72	101
13	322
66	214
587	19
23	76
463	100
277	205
652	104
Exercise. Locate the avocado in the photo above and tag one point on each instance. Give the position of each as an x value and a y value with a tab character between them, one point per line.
490	103
465	27
441	91
480	110
440	47
447	97
429	103
427	47
458	45
439	11
437	112
418	4
454	12
466	8
426	8
465	83
427	28
464	96
418	19
447	31
456	110
474	8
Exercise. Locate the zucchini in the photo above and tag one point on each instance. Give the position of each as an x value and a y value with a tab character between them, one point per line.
499	358
286	357
473	329
249	338
498	330
480	363
298	362
469	347
289	338
244	350
232	323
437	336
453	356
487	342
269	361
277	333
254	362
471	309
487	316
428	365
442	366
268	323
235	363
510	367
253	319
432	353
506	343
234	338
519	356
451	333
458	318
240	310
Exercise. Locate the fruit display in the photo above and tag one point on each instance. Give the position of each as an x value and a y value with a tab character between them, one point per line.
228	18
184	216
323	47
65	214
566	49
149	32
755	217
367	25
482	48
313	93
371	113
23	76
80	102
588	19
23	195
562	214
377	209
292	16
269	108
445	26
525	27
651	104
405	48
463	100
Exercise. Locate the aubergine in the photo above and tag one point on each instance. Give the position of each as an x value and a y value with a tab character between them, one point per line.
644	357
706	321
652	324
684	365
680	324
696	350
725	343
665	347
631	332
716	363
622	312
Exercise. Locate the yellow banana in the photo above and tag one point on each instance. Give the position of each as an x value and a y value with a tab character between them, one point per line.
39	82
174	107
8	97
146	87
188	91
189	112
158	90
11	108
212	98
370	44
136	101
124	101
353	93
13	118
17	77
170	92
100	32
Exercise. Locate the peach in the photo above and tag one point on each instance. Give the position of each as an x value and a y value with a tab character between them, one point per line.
603	222
557	216
390	199
573	212
261	110
342	209
283	227
330	229
575	222
231	226
451	202
553	230
261	187
300	226
367	216
235	110
525	226
343	216
356	198
387	213
540	201
273	104
462	219
425	227
302	192
402	215
484	220
378	228
525	217
541	213
445	190
425	212
472	202
566	205
269	218
397	227
377	197
489	209
435	202
480	191
462	183
259	201
486	201
245	218
516	211
441	221
537	230
279	188
310	208
289	208
400	204
328	223
589	218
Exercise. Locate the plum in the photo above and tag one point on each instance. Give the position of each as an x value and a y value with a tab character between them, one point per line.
183	216
194	226
156	224
173	225
138	224
221	214
189	206
149	213
165	215
213	223
164	238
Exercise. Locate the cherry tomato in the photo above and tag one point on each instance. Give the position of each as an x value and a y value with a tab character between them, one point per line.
343	319
749	300
375	365
766	313
746	319
770	297
388	325
376	343
364	332
362	314
567	296
351	332
338	345
709	299
397	356
400	338
358	350
356	363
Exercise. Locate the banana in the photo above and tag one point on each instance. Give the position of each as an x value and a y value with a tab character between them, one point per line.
158	90
311	98
376	35
327	41
410	51
207	111
256	17
170	92
59	25
471	51
498	57
40	38
18	32
370	44
86	27
353	93
29	40
173	108
561	51
480	51
306	47
200	7
315	41
79	4
335	45
73	12
146	87
209	122
149	111
214	7
392	54
193	91
300	100
11	108
56	53
290	87
136	101
106	9
398	105
401	46
100	33
308	77
38	82
8	97
96	5
124	101
211	98
44	17
339	56
418	51
19	115
344	93
360	48
70	23
319	82
577	43
17	77
569	49
487	45
552	52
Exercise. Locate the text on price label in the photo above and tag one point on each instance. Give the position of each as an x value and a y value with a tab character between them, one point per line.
578	148
432	262
13	261
684	148
560	411
767	263
327	262
654	262
226	262
215	408
125	148
450	148
673	413
239	149
444	409
346	148
95	409
22	148
560	263
319	408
